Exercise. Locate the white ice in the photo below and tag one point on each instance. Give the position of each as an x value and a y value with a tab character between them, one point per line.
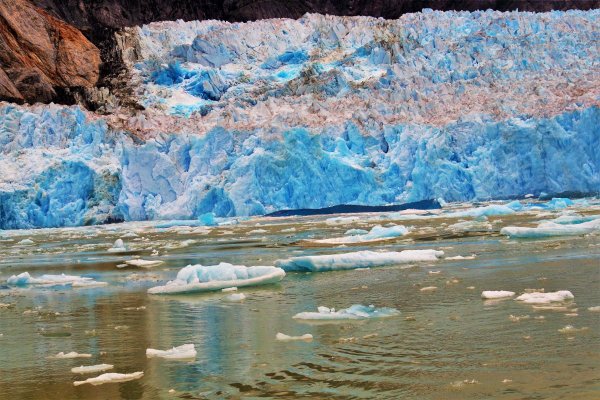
546	298
47	279
183	352
71	354
110	377
118	247
285	338
548	229
234	297
496	294
377	233
91	368
143	263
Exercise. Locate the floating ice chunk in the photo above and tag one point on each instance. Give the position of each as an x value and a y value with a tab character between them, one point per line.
110	377
26	279
496	294
352	232
434	272
574	219
572	329
358	259
487	211
91	368
71	354
235	297
377	233
229	289
545	298
517	318
183	352
144	263
594	309
256	231
471	226
428	289
118	247
26	242
129	235
200	278
356	311
283	337
548	229
288	230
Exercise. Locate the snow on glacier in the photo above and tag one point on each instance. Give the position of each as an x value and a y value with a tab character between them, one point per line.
328	110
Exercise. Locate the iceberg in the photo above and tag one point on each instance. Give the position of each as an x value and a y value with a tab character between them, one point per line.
354	312
91	368
376	234
111	377
118	247
546	298
550	229
358	259
183	352
496	294
24	279
200	278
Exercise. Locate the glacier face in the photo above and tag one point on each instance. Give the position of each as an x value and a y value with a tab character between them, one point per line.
245	119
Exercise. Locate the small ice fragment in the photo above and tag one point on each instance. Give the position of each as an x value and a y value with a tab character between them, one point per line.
517	318
594	309
134	308
571	329
434	272
88	284
235	297
506	380
183	352
72	354
428	289
545	298
370	335
110	377
496	294
229	289
121	265
283	337
47	279
471	257
471	287
353	312
144	263
377	233
91	368
5	305
118	247
121	327
26	242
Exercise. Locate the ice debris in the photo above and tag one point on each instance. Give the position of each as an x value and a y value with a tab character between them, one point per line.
283	337
118	247
377	233
546	298
356	311
549	229
71	354
199	278
111	377
496	294
91	368
183	352
358	259
47	279
234	297
143	263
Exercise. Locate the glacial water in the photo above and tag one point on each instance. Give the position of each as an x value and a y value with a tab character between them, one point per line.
447	343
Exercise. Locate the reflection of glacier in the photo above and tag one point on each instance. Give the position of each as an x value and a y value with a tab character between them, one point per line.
327	111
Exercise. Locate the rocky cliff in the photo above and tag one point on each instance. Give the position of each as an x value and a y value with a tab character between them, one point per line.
42	56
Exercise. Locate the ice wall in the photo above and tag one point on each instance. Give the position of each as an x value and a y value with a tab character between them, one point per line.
245	119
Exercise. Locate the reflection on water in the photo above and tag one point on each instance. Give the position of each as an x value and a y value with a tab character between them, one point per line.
446	344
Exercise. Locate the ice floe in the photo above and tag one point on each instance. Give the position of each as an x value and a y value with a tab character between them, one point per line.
47	279
118	247
377	233
428	289
199	278
358	259
111	377
354	312
546	298
234	297
144	263
549	229
496	294
183	352
91	368
286	338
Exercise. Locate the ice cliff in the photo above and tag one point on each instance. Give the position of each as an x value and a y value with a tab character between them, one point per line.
249	118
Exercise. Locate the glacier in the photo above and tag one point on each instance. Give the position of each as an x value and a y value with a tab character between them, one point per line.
249	118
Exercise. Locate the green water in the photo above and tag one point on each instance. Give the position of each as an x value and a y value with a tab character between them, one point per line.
446	344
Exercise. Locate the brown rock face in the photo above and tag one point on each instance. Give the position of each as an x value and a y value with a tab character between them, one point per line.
40	54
